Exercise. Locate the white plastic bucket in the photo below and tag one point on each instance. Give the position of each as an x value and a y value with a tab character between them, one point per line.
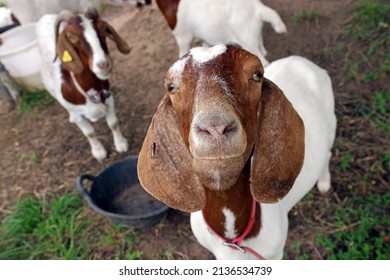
20	55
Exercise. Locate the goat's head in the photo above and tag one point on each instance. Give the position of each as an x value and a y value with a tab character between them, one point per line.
218	112
82	43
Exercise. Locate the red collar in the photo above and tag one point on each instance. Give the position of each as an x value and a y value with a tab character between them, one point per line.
235	243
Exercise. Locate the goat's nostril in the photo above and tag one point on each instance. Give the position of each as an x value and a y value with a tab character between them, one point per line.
230	129
202	131
217	131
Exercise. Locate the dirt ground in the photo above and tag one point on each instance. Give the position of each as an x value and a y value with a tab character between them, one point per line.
42	152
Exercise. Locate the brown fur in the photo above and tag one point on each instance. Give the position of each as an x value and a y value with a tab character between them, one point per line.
15	19
72	41
162	164
238	198
169	10
274	135
279	152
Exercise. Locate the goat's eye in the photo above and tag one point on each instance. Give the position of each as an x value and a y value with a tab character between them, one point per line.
257	76
171	87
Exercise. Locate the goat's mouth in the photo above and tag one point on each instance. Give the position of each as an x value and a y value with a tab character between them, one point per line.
217	159
219	174
103	75
215	153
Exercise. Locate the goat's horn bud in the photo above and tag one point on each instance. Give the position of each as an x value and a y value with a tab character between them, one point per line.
92	13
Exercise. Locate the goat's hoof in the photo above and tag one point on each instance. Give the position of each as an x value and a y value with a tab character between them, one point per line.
121	145
323	186
280	28
99	154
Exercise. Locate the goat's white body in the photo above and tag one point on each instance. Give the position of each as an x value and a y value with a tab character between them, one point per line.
309	89
32	10
78	114
220	21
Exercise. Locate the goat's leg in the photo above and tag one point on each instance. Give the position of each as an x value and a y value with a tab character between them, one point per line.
251	43
97	149
120	142
323	183
183	42
261	42
271	16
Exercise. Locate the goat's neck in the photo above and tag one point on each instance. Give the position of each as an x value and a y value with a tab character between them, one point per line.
86	79
237	200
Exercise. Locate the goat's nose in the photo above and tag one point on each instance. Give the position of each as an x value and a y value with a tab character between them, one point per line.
217	131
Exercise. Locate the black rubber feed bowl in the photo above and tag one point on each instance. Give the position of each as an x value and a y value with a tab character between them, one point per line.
116	193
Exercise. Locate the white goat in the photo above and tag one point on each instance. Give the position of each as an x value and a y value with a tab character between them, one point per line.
220	21
78	78
239	150
32	10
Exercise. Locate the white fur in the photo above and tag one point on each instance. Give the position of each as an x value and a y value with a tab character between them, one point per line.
202	54
98	54
81	115
309	89
32	10
5	17
225	21
230	220
176	71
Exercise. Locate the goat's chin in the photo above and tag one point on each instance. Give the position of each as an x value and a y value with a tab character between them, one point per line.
103	75
218	174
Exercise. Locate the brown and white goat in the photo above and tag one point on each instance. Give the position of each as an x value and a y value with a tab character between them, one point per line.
78	78
220	21
239	150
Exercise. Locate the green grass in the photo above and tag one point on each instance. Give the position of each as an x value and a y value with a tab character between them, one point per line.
305	16
359	230
102	7
298	250
34	99
346	160
353	221
57	228
371	27
370	31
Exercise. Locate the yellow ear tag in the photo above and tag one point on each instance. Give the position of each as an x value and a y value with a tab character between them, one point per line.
66	57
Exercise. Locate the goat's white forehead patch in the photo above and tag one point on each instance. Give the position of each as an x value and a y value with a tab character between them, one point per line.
92	38
199	55
204	54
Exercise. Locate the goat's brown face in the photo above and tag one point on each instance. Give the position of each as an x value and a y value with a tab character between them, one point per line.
218	111
216	102
83	42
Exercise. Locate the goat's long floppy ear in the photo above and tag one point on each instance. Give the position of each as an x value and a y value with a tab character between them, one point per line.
165	163
121	44
279	147
70	60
